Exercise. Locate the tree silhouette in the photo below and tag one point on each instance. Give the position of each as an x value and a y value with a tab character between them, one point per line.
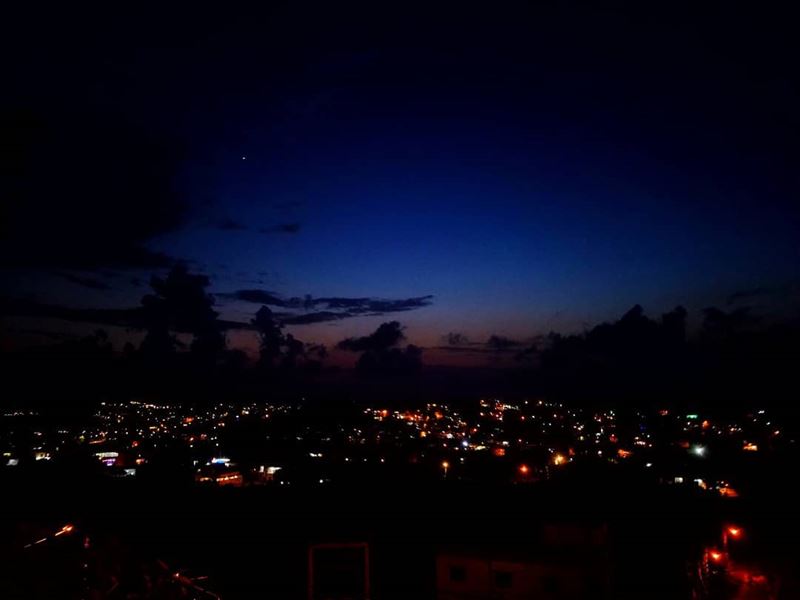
179	303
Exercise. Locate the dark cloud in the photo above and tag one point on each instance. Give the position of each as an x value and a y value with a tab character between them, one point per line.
290	228
228	224
372	305
315	317
122	317
333	308
347	303
784	291
85	191
473	348
380	354
87	282
717	322
258	297
747	294
352	305
131	318
386	336
387	306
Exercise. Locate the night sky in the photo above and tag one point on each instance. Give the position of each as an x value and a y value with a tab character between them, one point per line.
464	172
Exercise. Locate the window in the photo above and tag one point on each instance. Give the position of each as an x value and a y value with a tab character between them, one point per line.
502	579
458	574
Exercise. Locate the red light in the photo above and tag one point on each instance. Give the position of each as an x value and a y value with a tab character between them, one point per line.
716	556
734	532
524	469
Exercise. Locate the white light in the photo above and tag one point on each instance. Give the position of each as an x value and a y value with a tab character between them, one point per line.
699	450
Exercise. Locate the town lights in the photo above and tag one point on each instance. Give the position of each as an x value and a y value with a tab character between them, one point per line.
731	532
559	459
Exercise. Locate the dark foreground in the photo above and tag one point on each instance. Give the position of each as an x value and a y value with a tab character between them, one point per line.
254	542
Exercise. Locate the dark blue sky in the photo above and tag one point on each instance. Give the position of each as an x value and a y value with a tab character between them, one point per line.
531	169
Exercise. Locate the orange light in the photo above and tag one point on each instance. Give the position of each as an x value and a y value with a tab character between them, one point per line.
524	469
558	459
734	532
445	464
716	556
65	529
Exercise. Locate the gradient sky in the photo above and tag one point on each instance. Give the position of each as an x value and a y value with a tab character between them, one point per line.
532	169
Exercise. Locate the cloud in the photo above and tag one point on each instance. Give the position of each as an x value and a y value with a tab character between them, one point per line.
131	318
383	338
380	354
332	308
87	282
783	291
228	224
87	192
315	317
123	317
473	348
290	228
258	297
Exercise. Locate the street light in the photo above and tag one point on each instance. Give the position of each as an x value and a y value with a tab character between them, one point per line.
731	531
699	450
445	466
